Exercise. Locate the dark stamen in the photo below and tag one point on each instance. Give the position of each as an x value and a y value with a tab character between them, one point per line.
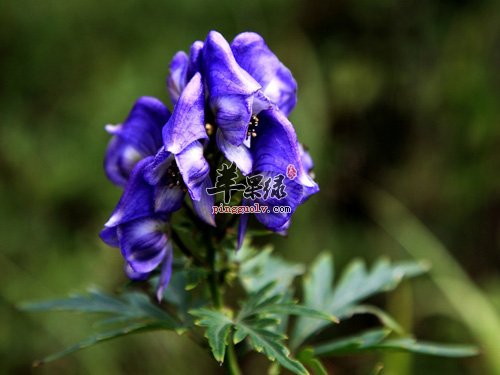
174	177
252	127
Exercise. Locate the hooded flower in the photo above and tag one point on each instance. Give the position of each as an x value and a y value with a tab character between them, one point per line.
308	165
274	149
180	165
182	69
233	97
244	93
138	228
254	56
137	137
243	79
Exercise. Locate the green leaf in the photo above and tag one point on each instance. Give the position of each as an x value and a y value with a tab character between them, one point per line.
352	343
98	338
387	320
264	303
307	357
194	276
375	340
129	313
292	308
176	295
355	284
93	302
260	268
131	305
218	326
259	299
270	343
318	282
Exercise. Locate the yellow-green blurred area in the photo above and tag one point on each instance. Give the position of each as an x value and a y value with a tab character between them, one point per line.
399	104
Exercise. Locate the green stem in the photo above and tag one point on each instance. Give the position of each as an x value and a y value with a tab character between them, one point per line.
184	249
213	281
232	360
215	290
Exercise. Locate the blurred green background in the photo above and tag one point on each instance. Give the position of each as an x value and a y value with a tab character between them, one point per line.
399	103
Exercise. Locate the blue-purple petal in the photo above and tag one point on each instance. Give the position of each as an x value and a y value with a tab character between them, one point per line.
278	221
195	58
306	159
137	199
242	230
231	89
133	275
143	243
166	271
252	54
156	169
307	165
308	191
240	155
276	146
177	78
142	128
168	199
283	230
187	123
109	236
194	168
203	206
139	136
120	159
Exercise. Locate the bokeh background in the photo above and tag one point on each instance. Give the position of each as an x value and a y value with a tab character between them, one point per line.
399	103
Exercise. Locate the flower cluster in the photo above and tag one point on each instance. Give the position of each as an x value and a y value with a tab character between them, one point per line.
229	101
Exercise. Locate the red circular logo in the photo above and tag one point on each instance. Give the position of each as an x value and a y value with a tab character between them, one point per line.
291	171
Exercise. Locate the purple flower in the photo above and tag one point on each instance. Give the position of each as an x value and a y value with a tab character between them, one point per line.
308	165
254	56
249	92
139	229
180	165
244	93
274	148
137	137
182	69
243	79
233	96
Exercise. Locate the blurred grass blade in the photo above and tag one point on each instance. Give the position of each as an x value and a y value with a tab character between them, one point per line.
421	347
375	341
476	311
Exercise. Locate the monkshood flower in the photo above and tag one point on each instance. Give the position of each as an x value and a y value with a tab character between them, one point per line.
182	69
254	56
274	149
249	93
241	80
137	137
138	226
308	165
180	165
